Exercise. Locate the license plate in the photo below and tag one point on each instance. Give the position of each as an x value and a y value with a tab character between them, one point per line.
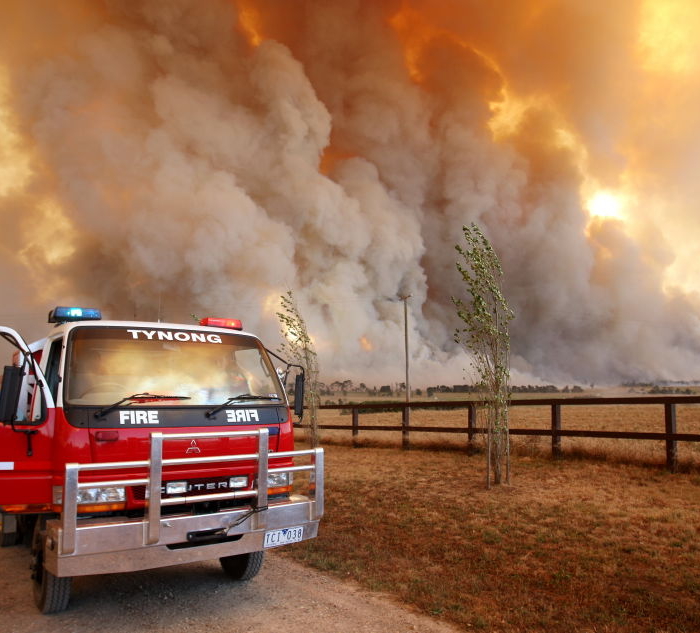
275	538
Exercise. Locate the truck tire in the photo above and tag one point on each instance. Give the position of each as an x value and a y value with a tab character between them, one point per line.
242	566
51	593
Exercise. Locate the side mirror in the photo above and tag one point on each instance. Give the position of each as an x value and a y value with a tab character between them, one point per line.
299	396
9	393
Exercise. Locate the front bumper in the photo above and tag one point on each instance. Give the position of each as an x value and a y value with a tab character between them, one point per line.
110	547
83	546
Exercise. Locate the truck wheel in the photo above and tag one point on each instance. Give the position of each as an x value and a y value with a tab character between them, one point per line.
242	566
51	593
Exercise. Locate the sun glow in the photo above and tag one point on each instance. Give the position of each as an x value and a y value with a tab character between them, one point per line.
605	204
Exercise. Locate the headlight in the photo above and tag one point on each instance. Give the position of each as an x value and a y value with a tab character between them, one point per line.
101	495
107	494
279	480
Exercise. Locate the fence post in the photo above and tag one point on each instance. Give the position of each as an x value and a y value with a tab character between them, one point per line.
471	425
671	444
355	425
556	427
405	421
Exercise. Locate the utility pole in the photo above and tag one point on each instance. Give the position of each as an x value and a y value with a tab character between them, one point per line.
406	418
405	299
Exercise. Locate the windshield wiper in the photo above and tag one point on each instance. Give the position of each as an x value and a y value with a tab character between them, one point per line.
240	398
137	397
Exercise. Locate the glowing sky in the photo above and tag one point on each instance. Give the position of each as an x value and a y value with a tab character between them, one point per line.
170	158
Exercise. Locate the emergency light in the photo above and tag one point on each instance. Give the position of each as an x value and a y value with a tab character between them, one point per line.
63	314
231	324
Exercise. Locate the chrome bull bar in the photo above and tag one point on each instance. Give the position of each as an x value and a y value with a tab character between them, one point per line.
152	520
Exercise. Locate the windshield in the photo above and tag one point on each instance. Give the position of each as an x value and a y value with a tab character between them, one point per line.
107	364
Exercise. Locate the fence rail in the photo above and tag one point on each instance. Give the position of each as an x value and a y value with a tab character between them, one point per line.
669	403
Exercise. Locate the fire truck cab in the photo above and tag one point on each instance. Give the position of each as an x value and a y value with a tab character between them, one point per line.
130	445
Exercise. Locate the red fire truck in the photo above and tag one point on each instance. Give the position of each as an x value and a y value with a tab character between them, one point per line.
130	445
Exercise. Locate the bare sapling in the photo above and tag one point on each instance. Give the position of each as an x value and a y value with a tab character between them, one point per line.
486	316
300	348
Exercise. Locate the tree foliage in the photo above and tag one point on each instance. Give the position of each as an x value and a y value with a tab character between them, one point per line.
486	316
299	347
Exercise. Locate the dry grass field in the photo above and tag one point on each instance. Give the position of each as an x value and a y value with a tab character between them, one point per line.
603	540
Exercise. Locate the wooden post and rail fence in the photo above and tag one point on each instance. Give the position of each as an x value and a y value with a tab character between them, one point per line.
667	403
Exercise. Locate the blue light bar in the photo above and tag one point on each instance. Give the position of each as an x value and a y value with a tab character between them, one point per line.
63	314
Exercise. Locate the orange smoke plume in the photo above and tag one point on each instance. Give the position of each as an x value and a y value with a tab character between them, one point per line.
221	156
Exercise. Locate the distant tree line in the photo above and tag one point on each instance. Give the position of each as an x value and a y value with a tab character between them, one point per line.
660	383
341	388
514	389
344	387
656	390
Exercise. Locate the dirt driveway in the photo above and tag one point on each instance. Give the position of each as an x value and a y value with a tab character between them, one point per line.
198	598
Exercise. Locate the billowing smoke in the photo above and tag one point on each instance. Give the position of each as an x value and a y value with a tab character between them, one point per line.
166	158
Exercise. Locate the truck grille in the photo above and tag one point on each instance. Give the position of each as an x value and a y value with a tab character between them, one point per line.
194	487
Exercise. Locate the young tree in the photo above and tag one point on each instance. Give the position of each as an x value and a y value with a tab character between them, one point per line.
485	334
299	347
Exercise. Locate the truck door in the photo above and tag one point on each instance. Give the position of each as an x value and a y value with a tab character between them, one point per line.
27	413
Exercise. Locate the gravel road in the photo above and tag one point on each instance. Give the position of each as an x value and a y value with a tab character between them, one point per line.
197	598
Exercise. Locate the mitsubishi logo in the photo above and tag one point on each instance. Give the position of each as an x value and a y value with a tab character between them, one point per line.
193	448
